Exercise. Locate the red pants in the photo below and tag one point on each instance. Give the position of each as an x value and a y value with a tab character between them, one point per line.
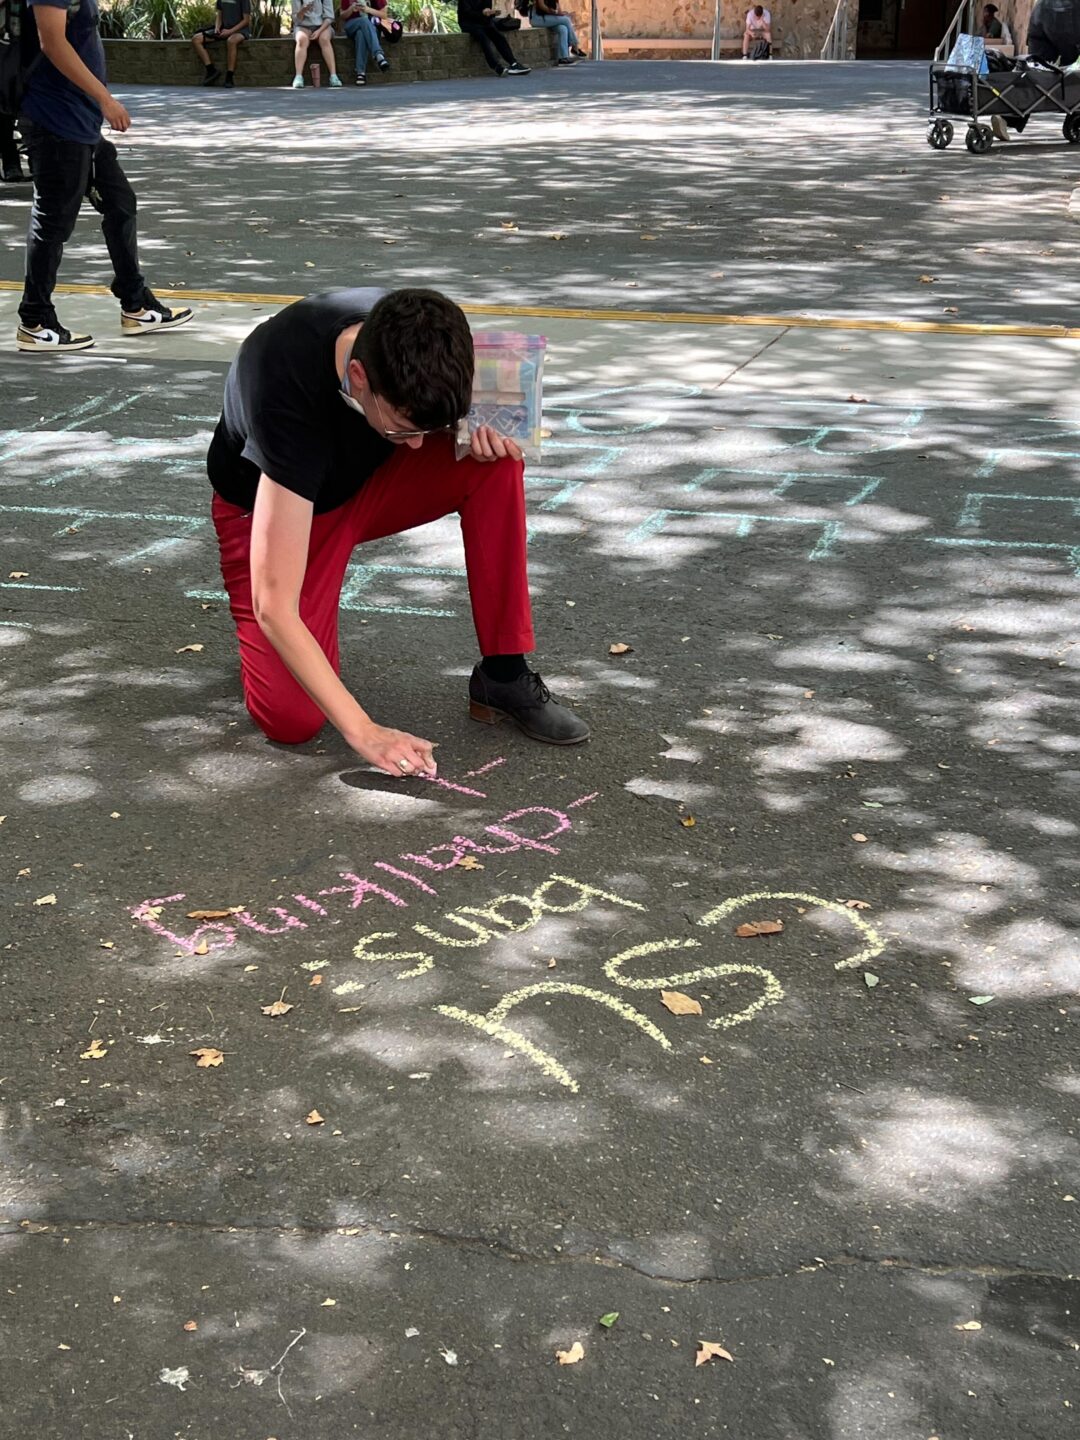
412	488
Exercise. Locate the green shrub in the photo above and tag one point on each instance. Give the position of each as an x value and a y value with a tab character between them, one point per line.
121	18
195	15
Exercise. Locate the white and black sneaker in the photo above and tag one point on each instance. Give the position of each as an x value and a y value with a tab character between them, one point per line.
517	69
153	316
55	339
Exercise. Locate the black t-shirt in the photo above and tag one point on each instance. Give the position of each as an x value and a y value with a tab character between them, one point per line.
233	11
284	415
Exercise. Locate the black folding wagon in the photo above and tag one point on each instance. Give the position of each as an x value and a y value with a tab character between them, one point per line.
959	95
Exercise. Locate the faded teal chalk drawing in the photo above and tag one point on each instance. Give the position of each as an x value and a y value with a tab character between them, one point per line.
744	526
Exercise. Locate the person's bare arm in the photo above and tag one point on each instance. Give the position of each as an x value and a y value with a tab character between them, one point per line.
280	533
57	49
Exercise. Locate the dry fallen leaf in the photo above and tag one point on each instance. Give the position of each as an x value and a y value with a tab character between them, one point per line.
508	225
327	1304
711	1351
759	927
927	279
206	1056
202	948
678	1003
648	237
315	980
189	650
968	1325
214	914
688	821
808	694
858	400
191	1325
571	1356
97	1051
107	944
856	904
280	1006
468	862
19	575
49	899
951	310
552	963
620	649
860	837
314	1118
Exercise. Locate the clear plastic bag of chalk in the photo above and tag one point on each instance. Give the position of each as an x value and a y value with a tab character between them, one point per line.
508	389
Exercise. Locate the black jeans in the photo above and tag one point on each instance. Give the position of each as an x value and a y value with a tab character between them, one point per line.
66	171
493	42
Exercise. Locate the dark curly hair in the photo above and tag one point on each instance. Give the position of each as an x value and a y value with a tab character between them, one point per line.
417	350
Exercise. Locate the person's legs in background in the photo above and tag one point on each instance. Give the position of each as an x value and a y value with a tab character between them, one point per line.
232	45
300	54
558	23
61	172
326	45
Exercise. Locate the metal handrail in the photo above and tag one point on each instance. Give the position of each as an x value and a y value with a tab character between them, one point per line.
836	43
963	24
596	33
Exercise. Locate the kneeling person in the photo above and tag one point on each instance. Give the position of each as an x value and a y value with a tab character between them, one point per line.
232	23
339	426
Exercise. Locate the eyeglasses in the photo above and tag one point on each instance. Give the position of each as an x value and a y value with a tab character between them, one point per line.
409	434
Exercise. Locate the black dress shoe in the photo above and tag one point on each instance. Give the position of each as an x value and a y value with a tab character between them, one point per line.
529	704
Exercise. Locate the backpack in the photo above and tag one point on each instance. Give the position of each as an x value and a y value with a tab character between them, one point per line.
20	51
762	49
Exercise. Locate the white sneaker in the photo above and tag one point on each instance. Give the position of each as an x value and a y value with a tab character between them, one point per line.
58	340
153	316
298	82
998	126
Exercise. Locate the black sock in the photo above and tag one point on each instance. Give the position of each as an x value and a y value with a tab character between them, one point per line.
503	668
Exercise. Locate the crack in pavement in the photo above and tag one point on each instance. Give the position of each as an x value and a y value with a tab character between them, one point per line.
452	1239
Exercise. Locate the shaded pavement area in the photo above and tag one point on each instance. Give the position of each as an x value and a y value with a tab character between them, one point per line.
850	587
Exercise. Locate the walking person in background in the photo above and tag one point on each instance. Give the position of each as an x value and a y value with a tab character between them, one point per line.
476	18
232	23
362	30
314	20
66	101
546	15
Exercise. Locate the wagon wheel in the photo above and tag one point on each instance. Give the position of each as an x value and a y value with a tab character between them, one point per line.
939	135
979	138
1071	129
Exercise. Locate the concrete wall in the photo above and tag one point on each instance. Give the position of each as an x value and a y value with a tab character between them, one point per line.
270	62
799	26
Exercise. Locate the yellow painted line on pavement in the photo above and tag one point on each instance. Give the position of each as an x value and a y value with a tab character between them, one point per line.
648	317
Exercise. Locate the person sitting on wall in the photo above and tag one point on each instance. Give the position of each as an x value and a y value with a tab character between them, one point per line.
546	15
477	18
232	23
313	20
991	28
362	30
758	32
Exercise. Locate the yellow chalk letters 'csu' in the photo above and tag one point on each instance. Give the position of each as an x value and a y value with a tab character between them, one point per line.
538	904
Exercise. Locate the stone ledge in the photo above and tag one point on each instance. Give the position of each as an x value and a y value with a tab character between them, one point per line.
270	62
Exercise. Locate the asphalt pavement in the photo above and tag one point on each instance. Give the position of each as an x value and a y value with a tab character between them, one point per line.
453	1124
